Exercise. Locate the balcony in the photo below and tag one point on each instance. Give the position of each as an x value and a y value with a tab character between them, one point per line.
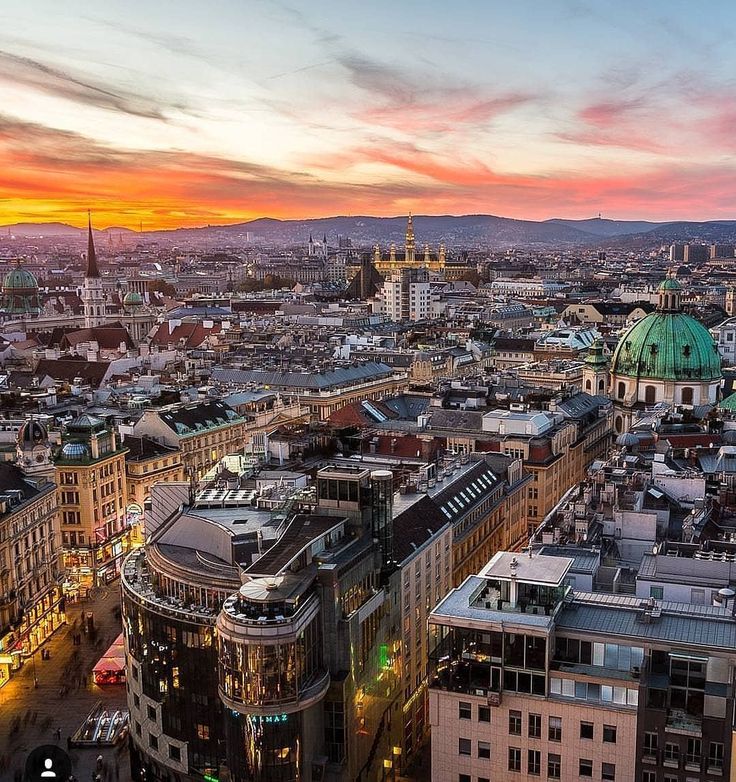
679	721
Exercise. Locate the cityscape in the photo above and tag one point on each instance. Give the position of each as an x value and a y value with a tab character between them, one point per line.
367	393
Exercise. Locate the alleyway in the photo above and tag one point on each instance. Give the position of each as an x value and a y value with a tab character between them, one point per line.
45	709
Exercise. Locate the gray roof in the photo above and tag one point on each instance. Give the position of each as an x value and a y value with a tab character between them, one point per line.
536	569
340	376
679	623
687	570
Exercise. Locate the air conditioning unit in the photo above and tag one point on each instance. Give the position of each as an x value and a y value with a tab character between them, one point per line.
494	698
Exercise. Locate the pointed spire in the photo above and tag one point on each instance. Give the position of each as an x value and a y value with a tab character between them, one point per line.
92	270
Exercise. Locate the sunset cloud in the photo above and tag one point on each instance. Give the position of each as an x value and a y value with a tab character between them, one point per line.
524	109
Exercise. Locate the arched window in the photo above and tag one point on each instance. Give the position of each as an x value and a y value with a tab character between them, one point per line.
687	395
621	390
619	424
587	384
650	395
601	386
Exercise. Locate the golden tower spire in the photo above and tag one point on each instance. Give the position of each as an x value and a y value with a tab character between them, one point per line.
410	242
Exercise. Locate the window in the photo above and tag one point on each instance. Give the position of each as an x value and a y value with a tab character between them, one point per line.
151	711
484	713
514	759
697	597
585	768
621	390
138	728
650	395
555	728
484	750
136	700
534	762
152	741
609	734
715	755
515	723
203	731
464	709
694	749
687	396
650	744
672	753
174	752
608	771
656	592
648	776
587	730
535	726
554	765
464	747
464	778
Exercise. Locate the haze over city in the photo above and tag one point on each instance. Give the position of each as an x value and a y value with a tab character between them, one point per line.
191	113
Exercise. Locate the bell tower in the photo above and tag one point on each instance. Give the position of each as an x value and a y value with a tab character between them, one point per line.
93	296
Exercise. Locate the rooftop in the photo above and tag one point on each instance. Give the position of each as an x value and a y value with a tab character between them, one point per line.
532	569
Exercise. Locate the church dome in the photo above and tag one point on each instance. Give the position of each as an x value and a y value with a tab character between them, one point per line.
132	299
32	432
668	344
20	293
19	279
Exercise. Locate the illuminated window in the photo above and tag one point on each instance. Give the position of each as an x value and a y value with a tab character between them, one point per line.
203	731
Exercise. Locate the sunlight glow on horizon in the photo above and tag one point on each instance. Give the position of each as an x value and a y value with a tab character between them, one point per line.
264	109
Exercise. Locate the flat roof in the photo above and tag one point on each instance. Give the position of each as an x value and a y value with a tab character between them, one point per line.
535	569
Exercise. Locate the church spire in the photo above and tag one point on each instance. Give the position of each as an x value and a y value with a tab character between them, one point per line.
410	243
92	270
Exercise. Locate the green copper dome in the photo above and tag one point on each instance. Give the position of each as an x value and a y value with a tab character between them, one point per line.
19	279
669	284
20	293
132	298
667	346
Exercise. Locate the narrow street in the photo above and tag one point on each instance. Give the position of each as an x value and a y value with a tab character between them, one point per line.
45	709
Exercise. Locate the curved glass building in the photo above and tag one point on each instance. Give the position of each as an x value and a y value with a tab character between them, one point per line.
260	649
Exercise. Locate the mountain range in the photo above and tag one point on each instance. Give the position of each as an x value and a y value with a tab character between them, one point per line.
465	230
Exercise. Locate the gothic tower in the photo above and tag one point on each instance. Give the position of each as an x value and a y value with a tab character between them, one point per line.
410	242
93	296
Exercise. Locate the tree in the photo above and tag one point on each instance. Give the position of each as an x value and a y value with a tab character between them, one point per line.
163	287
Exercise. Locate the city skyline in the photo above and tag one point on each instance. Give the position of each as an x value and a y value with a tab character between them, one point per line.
165	116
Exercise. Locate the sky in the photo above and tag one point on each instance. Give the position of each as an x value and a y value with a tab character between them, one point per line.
185	112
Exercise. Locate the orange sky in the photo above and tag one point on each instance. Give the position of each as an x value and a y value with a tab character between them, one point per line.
525	110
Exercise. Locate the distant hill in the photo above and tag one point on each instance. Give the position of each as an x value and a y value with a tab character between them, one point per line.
604	227
35	230
467	230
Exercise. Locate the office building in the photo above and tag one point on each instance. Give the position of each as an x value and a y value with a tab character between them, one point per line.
534	679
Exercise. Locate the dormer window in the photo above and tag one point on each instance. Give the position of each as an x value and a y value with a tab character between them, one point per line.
686	350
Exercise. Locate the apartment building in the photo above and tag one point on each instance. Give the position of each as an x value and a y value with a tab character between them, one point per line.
92	497
31	600
533	679
203	432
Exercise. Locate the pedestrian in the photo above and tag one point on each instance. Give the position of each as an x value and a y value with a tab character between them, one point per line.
58	734
99	762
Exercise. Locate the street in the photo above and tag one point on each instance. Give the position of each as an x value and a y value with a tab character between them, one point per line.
30	716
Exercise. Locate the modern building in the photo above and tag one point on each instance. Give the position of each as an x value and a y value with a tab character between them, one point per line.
260	649
534	679
406	295
666	357
92	499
